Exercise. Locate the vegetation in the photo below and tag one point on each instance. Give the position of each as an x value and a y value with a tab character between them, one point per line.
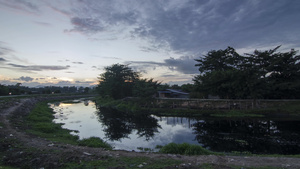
18	89
184	149
40	123
94	142
119	81
261	75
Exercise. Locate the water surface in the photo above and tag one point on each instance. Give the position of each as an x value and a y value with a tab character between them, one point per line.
129	132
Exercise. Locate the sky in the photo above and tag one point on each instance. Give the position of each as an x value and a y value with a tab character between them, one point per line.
70	42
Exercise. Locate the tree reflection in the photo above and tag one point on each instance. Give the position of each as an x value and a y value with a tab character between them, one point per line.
255	136
118	125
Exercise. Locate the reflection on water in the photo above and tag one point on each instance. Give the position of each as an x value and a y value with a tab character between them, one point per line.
128	132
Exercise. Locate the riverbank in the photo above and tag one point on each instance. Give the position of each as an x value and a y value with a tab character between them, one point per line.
206	108
21	149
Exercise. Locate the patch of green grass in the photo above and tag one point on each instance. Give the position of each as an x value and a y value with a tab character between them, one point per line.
184	149
94	142
40	122
126	162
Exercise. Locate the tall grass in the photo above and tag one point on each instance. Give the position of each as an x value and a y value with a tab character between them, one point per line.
94	142
184	149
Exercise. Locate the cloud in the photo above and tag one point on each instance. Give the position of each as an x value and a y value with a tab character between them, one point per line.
78	63
21	5
26	79
64	83
86	25
2	59
116	58
192	26
183	64
42	23
5	50
61	11
38	67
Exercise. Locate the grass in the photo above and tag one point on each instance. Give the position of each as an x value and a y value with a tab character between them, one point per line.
94	142
126	162
40	122
185	149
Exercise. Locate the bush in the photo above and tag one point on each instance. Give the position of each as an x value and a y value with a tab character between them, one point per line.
94	142
184	149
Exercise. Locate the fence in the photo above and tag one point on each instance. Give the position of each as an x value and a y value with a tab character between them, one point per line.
210	104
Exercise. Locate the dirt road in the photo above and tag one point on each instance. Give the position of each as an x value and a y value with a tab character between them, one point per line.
20	149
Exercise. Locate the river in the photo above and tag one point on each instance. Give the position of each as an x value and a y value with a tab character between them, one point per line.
133	132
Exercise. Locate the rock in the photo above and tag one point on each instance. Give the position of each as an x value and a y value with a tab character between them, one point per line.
50	145
140	166
85	153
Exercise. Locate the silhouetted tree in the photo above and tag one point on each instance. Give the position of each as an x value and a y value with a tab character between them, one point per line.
117	81
263	74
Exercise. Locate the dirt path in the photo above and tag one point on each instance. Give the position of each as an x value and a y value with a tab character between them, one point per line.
14	142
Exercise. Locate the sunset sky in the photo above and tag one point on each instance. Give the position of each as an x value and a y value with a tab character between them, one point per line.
69	42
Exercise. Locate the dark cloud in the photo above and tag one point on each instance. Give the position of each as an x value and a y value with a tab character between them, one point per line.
78	63
84	82
184	64
98	16
5	50
26	79
86	25
196	25
38	67
2	59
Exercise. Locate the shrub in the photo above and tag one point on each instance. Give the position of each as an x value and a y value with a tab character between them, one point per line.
184	149
94	142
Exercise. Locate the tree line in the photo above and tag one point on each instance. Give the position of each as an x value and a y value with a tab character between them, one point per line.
262	75
18	89
224	73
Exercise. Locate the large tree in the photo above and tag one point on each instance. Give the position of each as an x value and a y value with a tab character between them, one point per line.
263	74
117	81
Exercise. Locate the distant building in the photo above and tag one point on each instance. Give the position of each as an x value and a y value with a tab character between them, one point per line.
171	93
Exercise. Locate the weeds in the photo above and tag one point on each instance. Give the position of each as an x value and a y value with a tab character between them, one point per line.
185	149
94	142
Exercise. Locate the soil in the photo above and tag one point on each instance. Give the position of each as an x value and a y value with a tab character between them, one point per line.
15	144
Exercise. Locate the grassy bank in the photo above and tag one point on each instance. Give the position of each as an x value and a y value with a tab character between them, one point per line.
136	105
40	124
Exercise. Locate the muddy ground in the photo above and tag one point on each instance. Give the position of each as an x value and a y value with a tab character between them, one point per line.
22	150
